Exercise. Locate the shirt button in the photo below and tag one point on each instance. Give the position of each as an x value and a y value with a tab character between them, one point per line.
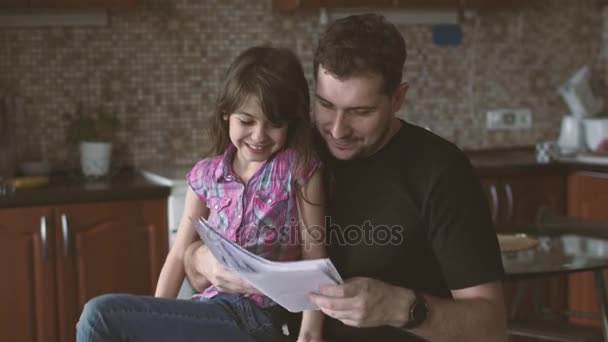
229	178
269	201
216	206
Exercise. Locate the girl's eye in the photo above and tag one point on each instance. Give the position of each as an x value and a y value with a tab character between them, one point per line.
246	122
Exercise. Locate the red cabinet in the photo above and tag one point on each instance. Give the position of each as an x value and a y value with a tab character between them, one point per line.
53	259
28	284
587	198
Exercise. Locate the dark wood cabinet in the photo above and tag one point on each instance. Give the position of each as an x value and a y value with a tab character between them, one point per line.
67	4
53	259
587	198
28	283
10	4
292	5
516	200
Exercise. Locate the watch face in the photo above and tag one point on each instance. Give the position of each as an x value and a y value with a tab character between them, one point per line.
419	311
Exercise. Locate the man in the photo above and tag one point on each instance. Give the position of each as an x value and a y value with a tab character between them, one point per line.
408	226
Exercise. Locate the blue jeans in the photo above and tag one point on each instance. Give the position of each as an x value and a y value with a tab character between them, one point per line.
225	317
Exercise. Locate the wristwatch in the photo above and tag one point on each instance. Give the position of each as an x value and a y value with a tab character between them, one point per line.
418	312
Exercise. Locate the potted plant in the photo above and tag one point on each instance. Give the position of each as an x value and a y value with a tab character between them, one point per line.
93	131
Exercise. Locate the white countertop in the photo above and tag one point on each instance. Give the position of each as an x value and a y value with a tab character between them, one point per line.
166	175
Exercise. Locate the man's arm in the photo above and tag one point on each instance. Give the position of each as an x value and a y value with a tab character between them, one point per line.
475	314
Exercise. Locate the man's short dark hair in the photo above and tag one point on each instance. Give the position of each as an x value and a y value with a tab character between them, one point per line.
360	44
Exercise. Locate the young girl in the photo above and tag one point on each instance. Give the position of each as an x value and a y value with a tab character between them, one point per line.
261	188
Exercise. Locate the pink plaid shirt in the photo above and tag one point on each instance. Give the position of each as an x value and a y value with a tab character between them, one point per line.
260	215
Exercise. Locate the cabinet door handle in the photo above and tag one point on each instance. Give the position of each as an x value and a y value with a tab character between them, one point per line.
43	236
510	203
494	195
65	231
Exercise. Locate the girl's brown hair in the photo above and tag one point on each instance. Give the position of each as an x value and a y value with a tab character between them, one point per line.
274	76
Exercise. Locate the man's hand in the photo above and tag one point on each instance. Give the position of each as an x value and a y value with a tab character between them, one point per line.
202	268
365	302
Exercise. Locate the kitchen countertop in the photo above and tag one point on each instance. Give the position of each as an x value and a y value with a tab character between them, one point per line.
523	160
156	181
69	188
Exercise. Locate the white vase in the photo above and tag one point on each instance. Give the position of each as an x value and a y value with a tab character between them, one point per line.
95	158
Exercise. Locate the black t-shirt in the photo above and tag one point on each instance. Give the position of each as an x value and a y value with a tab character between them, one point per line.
412	215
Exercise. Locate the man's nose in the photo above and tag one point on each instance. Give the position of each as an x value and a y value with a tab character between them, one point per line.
340	128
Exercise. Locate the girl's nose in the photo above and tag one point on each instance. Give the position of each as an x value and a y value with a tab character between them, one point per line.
258	134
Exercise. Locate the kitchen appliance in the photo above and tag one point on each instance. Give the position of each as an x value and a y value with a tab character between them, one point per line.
571	136
175	178
578	94
596	133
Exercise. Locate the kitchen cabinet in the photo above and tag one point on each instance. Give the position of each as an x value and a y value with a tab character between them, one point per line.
293	5
588	199
53	259
517	199
67	4
10	4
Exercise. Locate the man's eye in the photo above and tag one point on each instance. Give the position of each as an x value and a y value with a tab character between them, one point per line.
362	112
325	104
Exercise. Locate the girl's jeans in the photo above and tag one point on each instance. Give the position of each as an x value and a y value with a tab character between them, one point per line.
225	317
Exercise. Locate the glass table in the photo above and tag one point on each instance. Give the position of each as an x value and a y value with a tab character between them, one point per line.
563	254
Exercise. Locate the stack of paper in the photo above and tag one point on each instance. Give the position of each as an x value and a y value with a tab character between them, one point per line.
287	283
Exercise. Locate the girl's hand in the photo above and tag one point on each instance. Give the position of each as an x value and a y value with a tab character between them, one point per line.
202	263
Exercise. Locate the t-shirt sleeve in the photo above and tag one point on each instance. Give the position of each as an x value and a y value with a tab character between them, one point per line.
306	173
198	177
461	231
302	173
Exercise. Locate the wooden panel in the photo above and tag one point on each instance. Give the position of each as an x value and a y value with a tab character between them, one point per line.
13	4
27	288
516	201
112	247
587	198
75	4
493	4
292	5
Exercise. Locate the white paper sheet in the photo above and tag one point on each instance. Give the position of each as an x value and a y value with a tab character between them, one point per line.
287	283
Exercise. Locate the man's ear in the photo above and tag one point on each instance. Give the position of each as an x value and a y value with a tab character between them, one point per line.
225	117
398	97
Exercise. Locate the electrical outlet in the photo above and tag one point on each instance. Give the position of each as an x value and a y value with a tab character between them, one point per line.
513	119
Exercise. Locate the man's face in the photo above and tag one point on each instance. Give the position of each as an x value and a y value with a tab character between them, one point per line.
354	116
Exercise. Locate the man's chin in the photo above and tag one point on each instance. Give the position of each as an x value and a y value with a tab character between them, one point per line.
343	154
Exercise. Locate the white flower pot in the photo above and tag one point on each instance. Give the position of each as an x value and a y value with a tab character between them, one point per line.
95	158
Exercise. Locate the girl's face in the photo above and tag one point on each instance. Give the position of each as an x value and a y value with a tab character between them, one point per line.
254	137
